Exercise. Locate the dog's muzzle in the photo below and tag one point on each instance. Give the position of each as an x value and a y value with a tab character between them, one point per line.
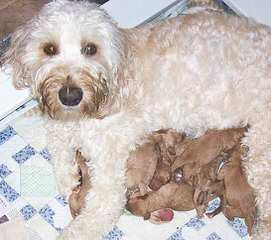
70	95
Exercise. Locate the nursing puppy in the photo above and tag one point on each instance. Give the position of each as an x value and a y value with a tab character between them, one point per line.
239	200
149	165
171	195
103	88
151	196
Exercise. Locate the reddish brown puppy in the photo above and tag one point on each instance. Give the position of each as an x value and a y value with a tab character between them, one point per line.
239	195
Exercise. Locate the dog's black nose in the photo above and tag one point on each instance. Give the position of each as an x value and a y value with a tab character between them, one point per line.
70	96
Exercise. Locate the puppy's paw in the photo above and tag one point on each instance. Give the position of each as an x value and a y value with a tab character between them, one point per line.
161	216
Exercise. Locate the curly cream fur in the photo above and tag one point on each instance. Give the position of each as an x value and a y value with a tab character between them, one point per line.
190	73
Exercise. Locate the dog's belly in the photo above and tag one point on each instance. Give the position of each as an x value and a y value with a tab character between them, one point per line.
213	76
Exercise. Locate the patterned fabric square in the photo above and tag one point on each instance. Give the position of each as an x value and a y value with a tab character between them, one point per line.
8	192
239	226
176	235
37	181
21	156
4	171
6	134
214	236
195	223
14	180
45	154
62	200
213	205
28	211
114	234
48	214
13	213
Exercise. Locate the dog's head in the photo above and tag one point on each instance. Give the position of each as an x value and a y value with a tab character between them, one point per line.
69	55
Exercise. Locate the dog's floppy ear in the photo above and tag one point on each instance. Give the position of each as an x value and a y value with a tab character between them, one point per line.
14	56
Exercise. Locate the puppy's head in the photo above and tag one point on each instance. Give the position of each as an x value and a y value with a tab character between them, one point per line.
69	55
139	206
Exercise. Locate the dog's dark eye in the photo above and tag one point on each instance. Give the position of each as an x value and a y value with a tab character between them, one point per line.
89	49
50	49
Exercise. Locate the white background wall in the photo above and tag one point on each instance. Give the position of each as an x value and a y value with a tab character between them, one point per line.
258	9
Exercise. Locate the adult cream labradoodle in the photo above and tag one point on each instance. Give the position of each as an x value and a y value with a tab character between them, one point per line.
104	88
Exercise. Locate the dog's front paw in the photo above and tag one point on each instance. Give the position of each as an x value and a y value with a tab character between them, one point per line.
80	230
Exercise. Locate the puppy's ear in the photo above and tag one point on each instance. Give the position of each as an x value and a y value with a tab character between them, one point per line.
14	56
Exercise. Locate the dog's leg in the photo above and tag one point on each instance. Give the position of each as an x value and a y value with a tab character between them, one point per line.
63	150
107	145
66	172
258	169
